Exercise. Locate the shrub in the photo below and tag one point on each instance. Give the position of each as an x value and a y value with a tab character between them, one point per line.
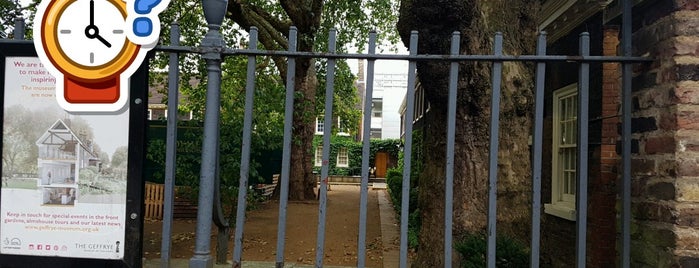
394	179
414	228
509	252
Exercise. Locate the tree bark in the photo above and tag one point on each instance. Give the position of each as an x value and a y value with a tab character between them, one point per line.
477	21
301	180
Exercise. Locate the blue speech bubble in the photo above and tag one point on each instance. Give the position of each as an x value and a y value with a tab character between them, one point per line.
142	26
145	6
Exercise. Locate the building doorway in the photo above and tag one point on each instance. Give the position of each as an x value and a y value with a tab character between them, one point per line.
380	163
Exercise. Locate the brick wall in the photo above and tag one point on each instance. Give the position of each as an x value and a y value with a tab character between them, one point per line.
665	172
558	234
602	183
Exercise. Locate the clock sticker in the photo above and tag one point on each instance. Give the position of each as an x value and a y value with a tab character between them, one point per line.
101	42
86	45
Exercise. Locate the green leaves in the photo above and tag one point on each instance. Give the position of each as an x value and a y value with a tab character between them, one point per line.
10	10
355	19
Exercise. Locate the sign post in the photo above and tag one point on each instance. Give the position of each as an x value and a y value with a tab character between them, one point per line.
71	191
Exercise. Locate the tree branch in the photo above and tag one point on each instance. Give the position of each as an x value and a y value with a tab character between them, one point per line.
304	14
279	24
269	35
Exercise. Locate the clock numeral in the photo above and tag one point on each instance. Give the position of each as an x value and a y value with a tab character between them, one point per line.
92	57
118	31
65	31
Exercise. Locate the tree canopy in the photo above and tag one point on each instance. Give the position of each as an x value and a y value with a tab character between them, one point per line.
8	12
313	19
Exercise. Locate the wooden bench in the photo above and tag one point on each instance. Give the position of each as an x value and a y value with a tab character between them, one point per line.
267	190
184	209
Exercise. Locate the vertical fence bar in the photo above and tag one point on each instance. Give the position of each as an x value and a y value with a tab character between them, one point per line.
581	187
537	150
361	247
493	151
328	122
286	153
451	136
245	155
407	152
170	146
626	138
19	28
212	44
219	217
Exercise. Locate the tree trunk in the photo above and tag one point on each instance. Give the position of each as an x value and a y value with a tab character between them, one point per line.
477	21
301	180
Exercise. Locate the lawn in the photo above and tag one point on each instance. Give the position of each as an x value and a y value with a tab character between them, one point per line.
29	184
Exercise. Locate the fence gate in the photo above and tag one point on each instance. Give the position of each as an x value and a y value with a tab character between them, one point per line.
213	52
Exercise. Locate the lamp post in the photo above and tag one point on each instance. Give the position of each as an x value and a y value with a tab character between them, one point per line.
212	47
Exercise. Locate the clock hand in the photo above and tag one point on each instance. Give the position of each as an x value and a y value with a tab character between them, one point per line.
92	32
92	13
103	41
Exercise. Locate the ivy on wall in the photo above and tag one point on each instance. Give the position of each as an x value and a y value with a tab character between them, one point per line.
354	152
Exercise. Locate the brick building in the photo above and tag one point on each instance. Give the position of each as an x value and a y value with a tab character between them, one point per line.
665	134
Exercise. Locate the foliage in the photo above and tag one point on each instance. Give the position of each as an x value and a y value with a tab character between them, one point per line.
268	114
394	181
253	201
345	97
473	250
357	18
88	174
120	157
313	20
10	10
188	163
188	158
92	182
20	152
354	153
29	184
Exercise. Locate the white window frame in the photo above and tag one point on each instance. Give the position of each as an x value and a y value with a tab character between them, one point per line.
341	130
342	154
562	201
320	125
319	156
375	112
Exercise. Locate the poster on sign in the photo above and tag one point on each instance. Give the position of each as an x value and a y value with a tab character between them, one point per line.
65	175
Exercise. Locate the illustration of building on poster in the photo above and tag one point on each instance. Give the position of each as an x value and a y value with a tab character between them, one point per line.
63	190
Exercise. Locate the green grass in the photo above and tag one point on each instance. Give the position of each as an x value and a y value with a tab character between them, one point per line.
29	184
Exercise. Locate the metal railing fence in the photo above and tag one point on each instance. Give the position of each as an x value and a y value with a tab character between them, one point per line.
213	50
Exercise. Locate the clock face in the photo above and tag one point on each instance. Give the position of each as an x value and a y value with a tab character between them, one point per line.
86	39
91	32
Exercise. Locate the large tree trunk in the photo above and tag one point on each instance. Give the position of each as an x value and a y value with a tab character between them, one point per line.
477	21
301	180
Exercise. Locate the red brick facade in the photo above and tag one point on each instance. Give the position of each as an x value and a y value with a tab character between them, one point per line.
602	212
